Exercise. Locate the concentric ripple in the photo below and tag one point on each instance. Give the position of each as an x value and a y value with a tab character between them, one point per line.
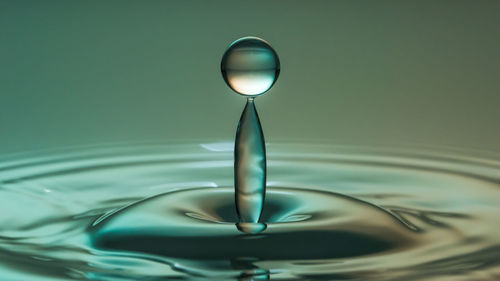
161	212
199	224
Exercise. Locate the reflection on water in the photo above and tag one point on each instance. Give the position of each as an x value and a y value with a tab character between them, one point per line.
156	212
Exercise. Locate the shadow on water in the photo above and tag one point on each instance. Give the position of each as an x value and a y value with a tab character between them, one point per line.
302	245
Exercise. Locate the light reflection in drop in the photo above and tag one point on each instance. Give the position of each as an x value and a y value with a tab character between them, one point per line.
250	66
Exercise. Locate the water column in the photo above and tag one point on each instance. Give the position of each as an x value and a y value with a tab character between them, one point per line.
250	67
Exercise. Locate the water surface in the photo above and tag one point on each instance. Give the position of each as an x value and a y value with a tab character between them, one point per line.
166	212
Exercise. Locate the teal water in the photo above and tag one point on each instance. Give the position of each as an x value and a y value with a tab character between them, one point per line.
166	212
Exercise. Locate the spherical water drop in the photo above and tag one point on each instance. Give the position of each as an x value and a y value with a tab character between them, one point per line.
250	66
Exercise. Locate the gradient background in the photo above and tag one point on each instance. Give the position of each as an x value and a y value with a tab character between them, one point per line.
352	72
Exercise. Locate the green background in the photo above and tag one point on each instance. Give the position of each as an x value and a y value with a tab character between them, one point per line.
352	72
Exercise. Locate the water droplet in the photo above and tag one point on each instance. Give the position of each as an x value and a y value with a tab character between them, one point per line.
250	66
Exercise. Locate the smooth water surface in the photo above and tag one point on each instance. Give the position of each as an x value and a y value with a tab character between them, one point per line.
166	212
